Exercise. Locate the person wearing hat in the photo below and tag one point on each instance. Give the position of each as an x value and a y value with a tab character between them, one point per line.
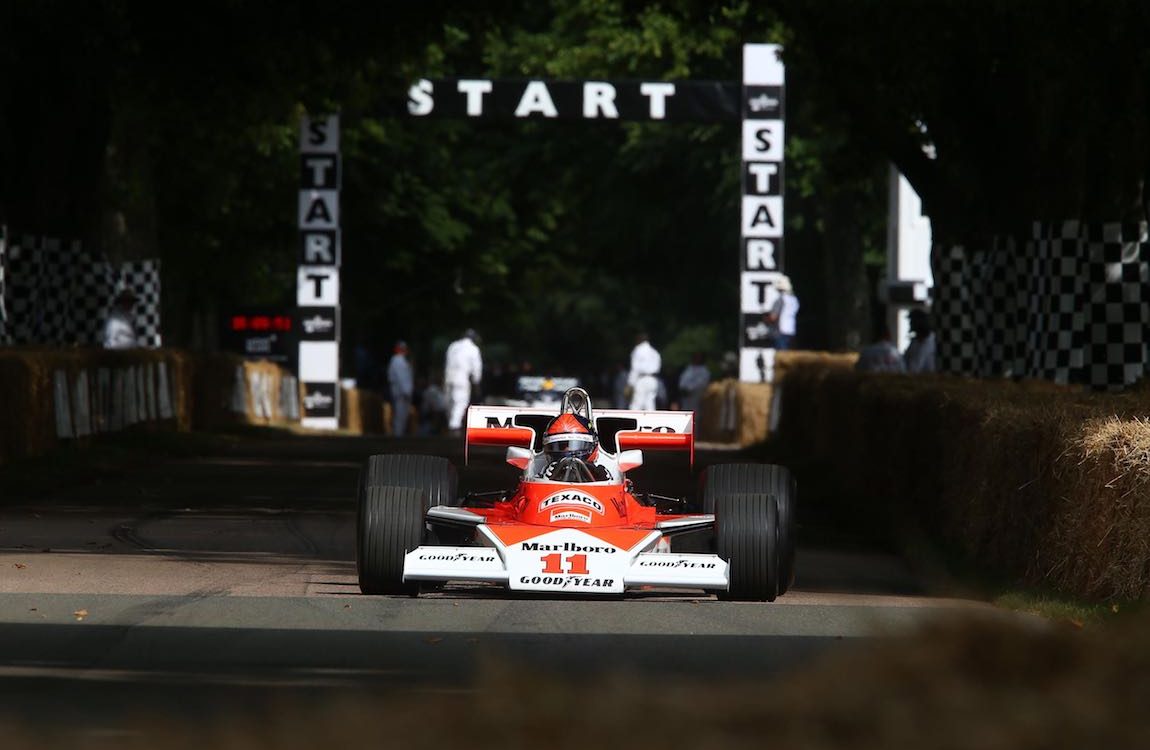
919	354
400	381
120	325
462	371
781	317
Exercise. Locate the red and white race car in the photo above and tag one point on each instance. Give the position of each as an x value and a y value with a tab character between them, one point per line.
576	535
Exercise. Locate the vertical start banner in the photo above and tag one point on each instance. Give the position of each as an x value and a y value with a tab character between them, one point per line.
317	281
761	231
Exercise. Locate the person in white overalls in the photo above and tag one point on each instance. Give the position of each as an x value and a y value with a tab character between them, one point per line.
645	366
462	370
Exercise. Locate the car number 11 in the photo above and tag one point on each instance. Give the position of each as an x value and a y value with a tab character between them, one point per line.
576	564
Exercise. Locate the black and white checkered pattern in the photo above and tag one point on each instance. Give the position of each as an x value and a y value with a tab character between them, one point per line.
1056	321
954	311
57	295
93	291
143	279
60	263
997	273
23	290
1115	350
1073	308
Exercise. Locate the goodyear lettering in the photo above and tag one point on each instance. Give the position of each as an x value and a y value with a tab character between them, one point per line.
570	497
565	582
456	557
680	564
567	547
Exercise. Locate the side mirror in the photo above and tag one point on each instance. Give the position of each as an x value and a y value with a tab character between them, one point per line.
519	457
631	459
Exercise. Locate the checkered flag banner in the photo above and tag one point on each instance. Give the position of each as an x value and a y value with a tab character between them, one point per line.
55	294
93	290
142	278
1073	308
1119	292
23	287
953	312
61	263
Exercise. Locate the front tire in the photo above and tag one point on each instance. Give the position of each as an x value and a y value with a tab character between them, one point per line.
434	475
746	536
771	479
390	524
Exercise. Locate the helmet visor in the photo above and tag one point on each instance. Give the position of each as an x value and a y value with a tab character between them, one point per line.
569	444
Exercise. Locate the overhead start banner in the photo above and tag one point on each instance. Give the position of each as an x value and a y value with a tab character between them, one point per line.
317	279
758	104
673	101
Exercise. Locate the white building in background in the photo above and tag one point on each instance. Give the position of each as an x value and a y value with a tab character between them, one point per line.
909	279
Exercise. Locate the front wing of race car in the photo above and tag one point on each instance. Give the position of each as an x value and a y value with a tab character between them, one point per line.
567	560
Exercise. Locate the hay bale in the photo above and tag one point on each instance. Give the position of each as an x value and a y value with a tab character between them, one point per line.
28	414
1043	484
741	413
1102	547
364	412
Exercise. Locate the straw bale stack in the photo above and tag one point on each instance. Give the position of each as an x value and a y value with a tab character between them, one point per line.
1044	484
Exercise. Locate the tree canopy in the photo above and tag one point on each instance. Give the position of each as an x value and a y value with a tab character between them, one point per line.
999	112
170	131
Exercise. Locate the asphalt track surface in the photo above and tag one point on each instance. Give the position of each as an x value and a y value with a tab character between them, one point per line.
190	584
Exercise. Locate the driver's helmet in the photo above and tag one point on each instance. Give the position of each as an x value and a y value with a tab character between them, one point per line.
570	435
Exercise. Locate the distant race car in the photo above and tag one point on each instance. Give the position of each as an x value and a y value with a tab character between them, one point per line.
541	391
571	533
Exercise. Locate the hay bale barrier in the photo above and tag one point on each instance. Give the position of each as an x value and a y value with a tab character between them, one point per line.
735	413
79	394
75	396
1044	485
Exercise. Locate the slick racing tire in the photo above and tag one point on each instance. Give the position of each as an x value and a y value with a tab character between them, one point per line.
724	479
389	525
746	536
434	475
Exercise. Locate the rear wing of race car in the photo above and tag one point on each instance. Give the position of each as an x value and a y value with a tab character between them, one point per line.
619	429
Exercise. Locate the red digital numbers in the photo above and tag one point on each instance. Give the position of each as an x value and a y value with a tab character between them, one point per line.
260	323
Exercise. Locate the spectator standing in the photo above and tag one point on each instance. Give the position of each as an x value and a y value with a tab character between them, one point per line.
784	313
462	371
400	381
881	356
693	382
120	325
645	366
919	354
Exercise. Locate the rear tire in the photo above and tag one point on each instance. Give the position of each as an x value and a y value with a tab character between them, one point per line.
746	536
390	524
434	475
772	479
